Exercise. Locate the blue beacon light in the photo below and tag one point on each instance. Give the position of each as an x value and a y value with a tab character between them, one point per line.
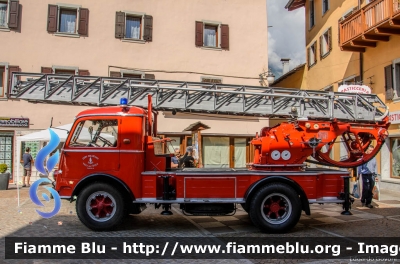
123	101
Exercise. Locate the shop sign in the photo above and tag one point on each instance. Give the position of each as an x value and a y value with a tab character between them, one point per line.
394	117
361	89
14	122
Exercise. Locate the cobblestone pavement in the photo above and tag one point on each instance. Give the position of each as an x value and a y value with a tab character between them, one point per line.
325	221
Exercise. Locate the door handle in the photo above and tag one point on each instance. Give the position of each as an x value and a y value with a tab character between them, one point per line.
126	141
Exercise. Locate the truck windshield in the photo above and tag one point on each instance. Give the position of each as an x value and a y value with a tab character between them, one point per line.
95	133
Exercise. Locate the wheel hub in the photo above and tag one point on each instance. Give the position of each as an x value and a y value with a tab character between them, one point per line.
276	208
101	206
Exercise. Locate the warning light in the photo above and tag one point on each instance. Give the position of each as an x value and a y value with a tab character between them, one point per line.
123	101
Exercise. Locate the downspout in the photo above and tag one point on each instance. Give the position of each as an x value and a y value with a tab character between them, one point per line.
361	68
361	55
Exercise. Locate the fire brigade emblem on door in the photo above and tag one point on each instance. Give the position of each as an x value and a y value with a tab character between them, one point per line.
90	161
45	170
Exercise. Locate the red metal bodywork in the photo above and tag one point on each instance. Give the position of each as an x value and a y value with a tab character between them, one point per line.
135	163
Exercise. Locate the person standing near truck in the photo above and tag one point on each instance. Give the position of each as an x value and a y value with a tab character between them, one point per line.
367	171
27	163
175	159
187	161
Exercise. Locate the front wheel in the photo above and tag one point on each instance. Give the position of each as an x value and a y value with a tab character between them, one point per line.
100	207
275	208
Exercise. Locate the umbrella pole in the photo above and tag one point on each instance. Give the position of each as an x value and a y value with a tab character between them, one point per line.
18	156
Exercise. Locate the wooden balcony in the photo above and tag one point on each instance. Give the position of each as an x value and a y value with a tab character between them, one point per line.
375	22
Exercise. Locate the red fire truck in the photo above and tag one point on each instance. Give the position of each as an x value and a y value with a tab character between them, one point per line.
121	167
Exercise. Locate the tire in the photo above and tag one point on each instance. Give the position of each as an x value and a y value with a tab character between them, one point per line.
275	208
109	199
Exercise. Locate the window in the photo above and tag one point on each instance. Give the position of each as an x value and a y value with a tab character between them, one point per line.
6	71
95	133
2	78
351	80
212	35
312	54
395	161
325	6
134	26
3	14
9	12
174	144
326	43
396	77
211	80
67	20
312	14
65	70
6	150
392	80
215	152
131	74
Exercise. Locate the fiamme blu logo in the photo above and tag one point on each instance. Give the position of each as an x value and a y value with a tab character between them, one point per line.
45	167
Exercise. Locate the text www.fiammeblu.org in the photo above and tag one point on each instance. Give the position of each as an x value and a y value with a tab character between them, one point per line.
235	248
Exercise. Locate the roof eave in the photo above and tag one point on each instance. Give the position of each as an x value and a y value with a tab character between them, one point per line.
295	4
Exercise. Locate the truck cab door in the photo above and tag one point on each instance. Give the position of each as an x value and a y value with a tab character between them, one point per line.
92	148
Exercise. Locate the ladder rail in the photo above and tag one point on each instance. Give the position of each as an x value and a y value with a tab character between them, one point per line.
198	97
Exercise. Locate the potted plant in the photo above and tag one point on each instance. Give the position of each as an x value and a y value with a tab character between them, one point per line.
4	176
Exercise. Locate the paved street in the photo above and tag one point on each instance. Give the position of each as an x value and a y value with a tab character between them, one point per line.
325	221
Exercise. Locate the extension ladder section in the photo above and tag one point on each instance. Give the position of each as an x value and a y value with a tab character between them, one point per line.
198	97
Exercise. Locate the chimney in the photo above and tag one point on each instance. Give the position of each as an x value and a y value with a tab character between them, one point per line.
285	64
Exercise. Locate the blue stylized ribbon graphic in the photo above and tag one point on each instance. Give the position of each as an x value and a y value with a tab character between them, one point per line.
44	152
50	164
35	198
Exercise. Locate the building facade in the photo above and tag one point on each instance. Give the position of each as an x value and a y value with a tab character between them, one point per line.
357	42
199	41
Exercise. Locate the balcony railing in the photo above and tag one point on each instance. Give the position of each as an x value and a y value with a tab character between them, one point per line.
374	22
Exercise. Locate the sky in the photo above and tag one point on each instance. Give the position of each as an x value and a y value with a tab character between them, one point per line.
286	35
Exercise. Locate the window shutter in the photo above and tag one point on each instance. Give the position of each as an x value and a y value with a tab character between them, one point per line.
11	69
83	21
115	74
224	37
83	73
320	45
120	25
47	70
199	34
315	51
330	38
148	28
52	18
389	83
308	56
14	11
150	76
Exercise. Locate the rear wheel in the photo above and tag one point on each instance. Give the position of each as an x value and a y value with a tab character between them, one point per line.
275	208
100	207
